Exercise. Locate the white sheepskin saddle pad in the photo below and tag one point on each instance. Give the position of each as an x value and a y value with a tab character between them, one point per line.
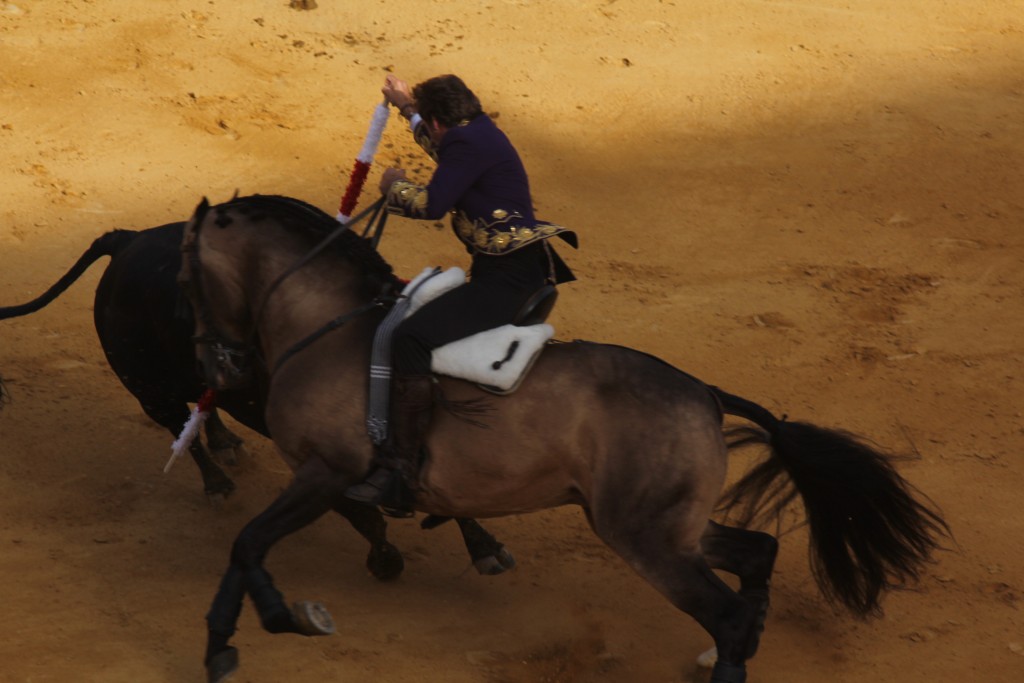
498	359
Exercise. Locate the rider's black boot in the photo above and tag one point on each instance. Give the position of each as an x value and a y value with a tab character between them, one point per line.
392	483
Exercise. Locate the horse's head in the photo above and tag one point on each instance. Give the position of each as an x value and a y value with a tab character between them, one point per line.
210	278
273	266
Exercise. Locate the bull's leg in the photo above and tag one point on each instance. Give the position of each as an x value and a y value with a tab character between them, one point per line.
216	484
224	444
315	490
173	417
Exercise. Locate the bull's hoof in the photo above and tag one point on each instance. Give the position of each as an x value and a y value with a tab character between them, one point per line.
312	619
495	564
222	665
385	562
218	486
728	673
230	454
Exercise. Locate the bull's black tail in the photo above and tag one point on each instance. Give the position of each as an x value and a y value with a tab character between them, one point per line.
869	530
108	244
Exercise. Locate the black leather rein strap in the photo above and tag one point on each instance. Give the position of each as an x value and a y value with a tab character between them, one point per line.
380	302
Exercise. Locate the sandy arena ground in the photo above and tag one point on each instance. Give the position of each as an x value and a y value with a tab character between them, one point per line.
814	204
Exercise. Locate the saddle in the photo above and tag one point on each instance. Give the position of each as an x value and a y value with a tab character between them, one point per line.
496	360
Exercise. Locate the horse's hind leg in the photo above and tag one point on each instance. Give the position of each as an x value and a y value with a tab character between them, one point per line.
662	541
654	513
314	491
385	560
749	555
489	556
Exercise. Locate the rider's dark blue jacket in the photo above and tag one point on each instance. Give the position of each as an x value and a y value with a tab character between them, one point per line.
481	181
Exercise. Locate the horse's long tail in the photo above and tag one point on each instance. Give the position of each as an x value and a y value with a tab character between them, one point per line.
108	244
868	529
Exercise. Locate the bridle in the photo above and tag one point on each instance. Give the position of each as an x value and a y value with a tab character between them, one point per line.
234	358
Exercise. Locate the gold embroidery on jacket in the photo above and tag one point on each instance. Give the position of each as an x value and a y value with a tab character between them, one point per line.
503	235
407	199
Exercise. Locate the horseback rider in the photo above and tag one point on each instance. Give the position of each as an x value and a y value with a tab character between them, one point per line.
480	179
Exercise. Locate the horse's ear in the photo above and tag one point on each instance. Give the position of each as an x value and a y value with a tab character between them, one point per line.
235	195
197	217
200	212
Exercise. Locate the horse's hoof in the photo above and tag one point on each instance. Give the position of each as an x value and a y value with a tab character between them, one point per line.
385	562
222	665
312	618
492	565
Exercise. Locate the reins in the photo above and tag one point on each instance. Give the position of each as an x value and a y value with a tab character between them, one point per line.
378	219
378	302
377	216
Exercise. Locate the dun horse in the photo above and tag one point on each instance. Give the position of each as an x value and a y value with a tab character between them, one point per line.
636	443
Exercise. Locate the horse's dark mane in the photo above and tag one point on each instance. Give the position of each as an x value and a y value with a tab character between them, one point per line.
296	215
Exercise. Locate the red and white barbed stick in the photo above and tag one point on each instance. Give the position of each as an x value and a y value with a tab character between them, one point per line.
363	162
191	429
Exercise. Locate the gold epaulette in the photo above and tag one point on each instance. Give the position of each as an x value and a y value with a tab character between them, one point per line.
406	198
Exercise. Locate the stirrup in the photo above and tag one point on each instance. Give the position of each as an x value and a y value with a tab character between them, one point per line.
384	488
398	499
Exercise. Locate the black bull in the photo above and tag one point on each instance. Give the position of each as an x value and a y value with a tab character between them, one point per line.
145	328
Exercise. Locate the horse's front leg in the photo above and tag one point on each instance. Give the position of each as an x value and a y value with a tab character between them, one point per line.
314	491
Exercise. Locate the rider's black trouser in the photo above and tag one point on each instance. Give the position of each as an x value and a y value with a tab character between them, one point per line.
498	287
